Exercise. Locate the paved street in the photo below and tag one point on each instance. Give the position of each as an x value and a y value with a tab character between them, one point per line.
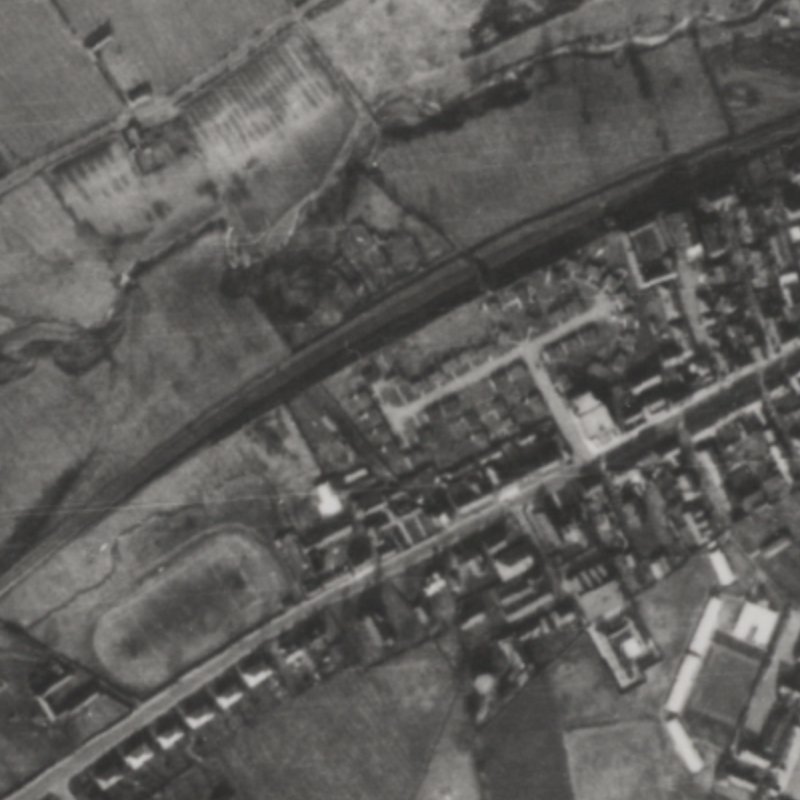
530	351
56	778
491	509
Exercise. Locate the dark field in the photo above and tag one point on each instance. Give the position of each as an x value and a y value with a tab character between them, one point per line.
50	90
254	143
617	762
46	270
172	42
586	123
522	753
205	596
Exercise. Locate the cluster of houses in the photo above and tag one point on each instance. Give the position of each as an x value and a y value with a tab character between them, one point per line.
290	663
61	690
713	289
571	559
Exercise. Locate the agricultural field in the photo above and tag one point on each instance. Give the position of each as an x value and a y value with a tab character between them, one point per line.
382	46
51	91
575	126
521	751
360	736
170	43
615	762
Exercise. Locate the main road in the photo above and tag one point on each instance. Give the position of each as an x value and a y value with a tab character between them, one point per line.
55	779
452	280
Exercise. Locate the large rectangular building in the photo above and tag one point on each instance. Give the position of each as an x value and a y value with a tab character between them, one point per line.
723	688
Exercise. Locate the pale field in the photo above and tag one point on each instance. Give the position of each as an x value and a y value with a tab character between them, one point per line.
451	771
383	45
46	269
617	762
389	46
365	734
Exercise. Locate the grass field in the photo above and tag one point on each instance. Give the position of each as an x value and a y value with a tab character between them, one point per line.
175	41
361	736
689	111
251	145
48	271
452	774
583	125
616	762
381	46
50	90
186	345
522	751
195	603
